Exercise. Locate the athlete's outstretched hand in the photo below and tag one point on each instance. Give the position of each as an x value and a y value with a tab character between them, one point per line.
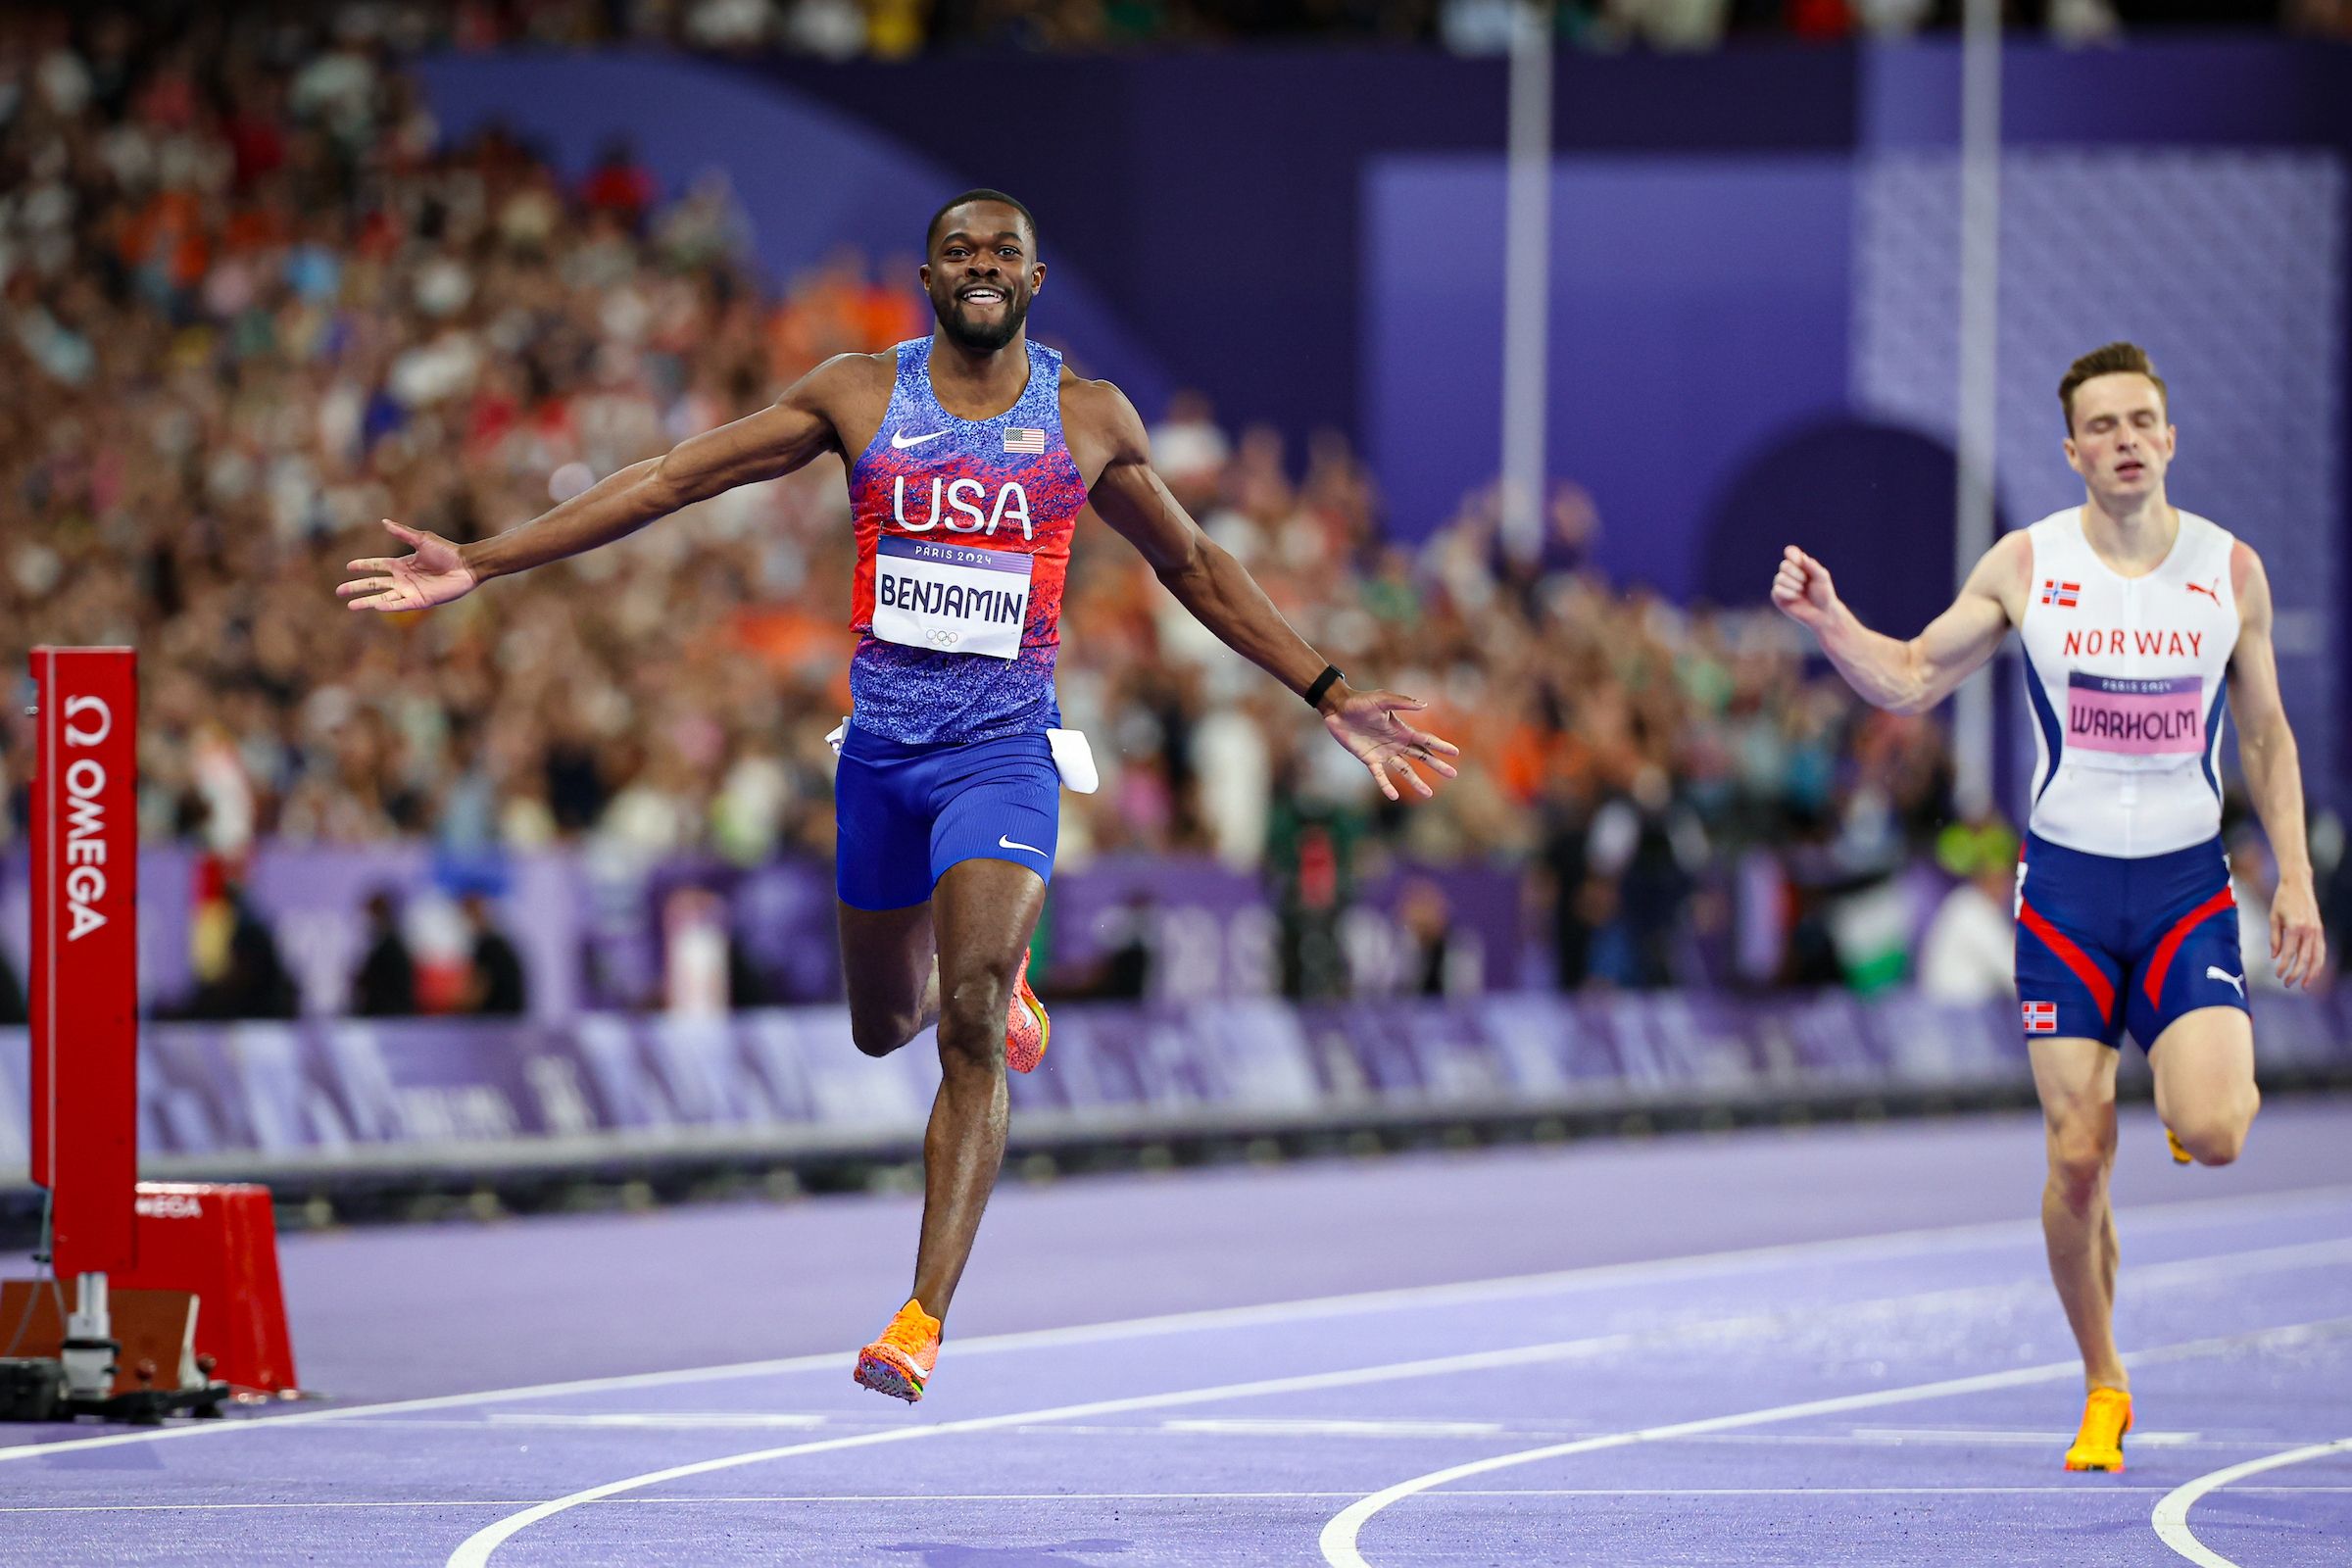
2299	942
1372	726
433	574
1803	589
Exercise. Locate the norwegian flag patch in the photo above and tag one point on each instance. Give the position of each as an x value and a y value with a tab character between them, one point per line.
2065	595
2041	1017
1031	442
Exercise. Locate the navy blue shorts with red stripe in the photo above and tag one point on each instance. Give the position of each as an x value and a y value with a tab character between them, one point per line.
2105	944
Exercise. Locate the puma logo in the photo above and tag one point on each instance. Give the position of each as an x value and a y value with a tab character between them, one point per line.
2200	588
2213	972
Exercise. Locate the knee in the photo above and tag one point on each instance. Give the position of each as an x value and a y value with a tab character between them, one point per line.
2218	1135
2079	1161
971	1020
879	1034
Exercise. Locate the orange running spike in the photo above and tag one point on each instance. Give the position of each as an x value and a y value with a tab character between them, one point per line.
899	1363
2099	1446
1025	1025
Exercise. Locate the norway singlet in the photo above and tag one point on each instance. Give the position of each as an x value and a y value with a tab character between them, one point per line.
2128	678
2126	919
964	531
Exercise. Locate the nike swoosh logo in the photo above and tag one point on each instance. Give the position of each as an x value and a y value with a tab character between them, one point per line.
1005	842
901	440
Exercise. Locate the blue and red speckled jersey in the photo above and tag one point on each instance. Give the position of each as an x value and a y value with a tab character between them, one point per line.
964	542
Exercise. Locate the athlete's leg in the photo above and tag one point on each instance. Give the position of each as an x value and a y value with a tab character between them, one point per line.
891	973
2076	1080
2205	1092
986	910
882	876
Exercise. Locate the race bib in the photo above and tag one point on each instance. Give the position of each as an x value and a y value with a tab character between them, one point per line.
2159	718
953	599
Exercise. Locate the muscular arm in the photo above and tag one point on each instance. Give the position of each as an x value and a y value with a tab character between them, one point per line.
761	446
1130	496
776	441
2265	754
1909	677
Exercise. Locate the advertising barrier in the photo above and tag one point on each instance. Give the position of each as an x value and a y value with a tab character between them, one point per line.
262	1099
83	951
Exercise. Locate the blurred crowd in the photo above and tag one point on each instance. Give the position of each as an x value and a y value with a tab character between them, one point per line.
888	29
251	304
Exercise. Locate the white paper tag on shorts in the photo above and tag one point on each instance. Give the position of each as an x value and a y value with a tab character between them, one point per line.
1074	759
953	599
840	732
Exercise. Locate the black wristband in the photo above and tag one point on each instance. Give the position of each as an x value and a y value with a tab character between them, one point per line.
1323	683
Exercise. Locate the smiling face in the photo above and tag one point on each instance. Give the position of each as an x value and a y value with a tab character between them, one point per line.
2120	443
982	274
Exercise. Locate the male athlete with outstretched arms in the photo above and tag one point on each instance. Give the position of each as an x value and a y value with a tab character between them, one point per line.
2141	624
970	455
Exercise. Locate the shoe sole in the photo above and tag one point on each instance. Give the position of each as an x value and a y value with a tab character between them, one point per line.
885	1376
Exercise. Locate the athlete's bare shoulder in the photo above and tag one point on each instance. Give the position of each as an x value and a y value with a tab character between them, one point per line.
852	377
2006	572
2245	568
1100	425
851	392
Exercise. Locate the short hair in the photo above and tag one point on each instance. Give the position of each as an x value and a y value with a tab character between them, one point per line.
981	195
2115	358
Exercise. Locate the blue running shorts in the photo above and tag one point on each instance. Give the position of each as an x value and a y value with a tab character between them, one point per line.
905	813
2105	944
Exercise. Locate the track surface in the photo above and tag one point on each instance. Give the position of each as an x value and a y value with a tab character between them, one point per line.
1878	1374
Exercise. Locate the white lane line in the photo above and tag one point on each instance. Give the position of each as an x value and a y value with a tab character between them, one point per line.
1287	1427
1451	1495
1150	1432
476	1549
2171	1517
2022	1440
1339	1538
1888	1245
693	1421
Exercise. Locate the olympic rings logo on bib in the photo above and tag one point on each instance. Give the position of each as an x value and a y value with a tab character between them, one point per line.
951	598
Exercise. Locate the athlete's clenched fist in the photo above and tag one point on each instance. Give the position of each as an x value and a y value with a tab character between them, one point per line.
1803	589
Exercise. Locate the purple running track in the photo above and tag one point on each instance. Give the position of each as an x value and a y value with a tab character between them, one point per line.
1749	1350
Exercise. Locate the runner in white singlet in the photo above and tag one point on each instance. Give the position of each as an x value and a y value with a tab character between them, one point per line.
2142	624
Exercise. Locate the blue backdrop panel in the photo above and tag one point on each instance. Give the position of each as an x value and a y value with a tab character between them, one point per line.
1699	311
812	182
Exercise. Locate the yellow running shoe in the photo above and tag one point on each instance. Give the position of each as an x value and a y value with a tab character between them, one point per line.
2172	1141
1025	1025
899	1363
2099	1446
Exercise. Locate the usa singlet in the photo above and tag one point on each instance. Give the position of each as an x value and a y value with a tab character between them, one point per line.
963	533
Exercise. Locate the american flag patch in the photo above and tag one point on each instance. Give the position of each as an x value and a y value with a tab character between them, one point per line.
2041	1017
2065	595
1031	442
